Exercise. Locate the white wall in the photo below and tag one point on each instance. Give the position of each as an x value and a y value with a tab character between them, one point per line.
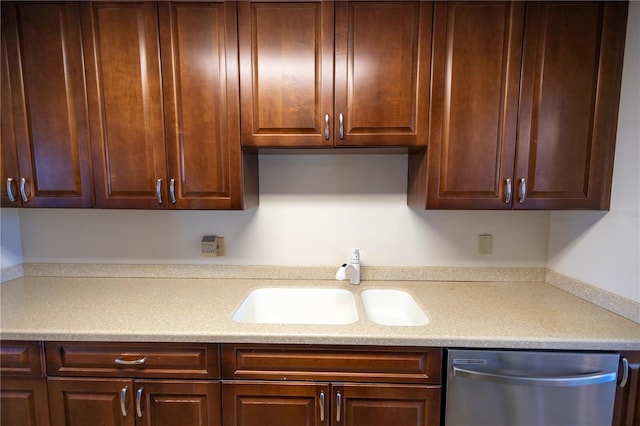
11	253
603	249
313	210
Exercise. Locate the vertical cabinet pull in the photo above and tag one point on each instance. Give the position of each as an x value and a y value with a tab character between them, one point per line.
339	406
508	193
625	373
523	190
322	406
12	197
158	190
123	401
326	126
23	189
139	410
172	191
341	130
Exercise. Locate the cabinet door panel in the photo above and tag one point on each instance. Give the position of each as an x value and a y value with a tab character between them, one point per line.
90	402
476	60
125	102
200	83
568	111
48	103
274	404
179	403
383	53
23	402
8	151
286	72
627	405
374	405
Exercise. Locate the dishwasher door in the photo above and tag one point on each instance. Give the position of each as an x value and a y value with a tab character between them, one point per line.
530	388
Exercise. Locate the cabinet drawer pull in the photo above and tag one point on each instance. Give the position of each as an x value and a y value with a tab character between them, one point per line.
172	191
123	401
138	361
23	189
523	190
322	406
508	193
139	402
339	407
158	189
341	120
12	197
625	373
326	127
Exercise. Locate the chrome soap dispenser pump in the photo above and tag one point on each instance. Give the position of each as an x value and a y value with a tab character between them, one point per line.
353	267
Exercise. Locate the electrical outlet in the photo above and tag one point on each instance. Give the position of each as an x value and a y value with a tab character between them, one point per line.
220	246
485	244
212	246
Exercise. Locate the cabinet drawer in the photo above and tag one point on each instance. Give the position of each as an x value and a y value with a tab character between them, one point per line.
332	363
132	360
20	358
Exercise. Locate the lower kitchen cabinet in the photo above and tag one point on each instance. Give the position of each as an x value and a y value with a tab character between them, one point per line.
627	405
108	402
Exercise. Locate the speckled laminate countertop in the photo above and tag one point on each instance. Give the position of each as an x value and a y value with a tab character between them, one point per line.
531	315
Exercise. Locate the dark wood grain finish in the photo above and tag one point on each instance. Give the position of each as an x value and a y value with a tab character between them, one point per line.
627	403
8	150
94	402
125	103
473	112
179	403
296	362
161	360
23	402
20	358
382	58
273	404
570	94
200	83
49	110
385	404
286	73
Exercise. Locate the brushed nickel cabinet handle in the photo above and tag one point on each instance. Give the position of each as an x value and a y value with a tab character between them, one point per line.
341	120
138	361
23	189
12	197
158	190
339	407
322	406
523	191
625	373
123	401
326	126
172	191
139	410
508	193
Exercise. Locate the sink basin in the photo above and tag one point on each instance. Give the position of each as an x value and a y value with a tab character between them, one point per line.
298	306
392	307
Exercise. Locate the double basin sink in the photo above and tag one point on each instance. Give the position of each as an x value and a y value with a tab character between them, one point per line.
298	305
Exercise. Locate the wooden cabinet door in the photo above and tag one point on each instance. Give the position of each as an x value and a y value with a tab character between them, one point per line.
473	114
91	402
384	404
178	403
275	404
627	405
23	402
9	172
200	82
571	74
382	58
286	73
125	103
44	110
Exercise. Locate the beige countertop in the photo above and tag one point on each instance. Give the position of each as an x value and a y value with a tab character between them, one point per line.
467	314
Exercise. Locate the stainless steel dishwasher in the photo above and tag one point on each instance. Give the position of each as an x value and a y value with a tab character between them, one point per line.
530	388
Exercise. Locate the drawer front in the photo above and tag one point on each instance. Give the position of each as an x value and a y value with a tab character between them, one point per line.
332	363
19	358
132	360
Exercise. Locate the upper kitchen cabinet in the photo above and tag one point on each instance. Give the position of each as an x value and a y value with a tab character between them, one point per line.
524	106
170	138
371	57
45	135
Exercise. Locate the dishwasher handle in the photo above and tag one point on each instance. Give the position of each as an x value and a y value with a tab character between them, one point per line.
558	381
